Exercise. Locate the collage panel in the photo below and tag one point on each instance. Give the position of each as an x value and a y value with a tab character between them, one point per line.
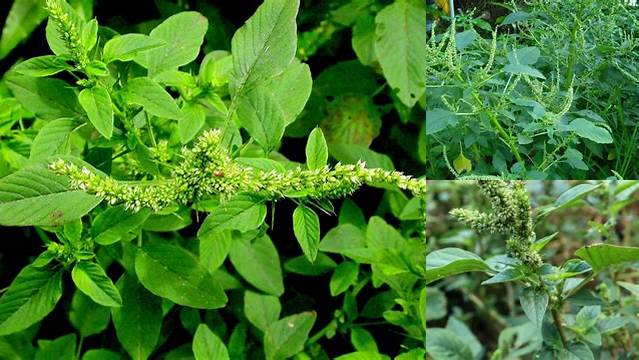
532	269
540	89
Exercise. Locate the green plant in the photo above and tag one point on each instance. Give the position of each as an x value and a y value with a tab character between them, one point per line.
147	172
573	307
535	99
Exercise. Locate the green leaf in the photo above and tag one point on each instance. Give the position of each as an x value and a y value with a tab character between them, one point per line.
590	131
265	45
207	346
261	310
152	97
525	55
173	273
116	223
306	227
363	355
42	66
86	316
343	277
192	120
24	16
534	302
36	196
602	256
97	103
363	340
316	150
261	115
47	98
363	40
183	34
438	120
101	354
443	344
51	138
291	89
300	265
91	279
31	296
342	238
54	36
452	261
62	348
243	213
399	46
214	248
287	337
139	321
258	262
351	120
519	69
126	47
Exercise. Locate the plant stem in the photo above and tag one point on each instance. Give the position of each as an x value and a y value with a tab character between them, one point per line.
556	316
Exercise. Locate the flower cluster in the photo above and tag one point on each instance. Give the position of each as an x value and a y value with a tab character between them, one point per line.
511	215
207	169
69	32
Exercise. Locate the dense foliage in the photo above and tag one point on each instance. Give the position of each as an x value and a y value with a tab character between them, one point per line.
551	91
173	186
537	269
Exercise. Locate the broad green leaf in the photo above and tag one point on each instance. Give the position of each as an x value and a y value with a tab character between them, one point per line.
62	348
91	279
461	164
42	66
242	213
192	120
342	238
89	35
97	104
291	89
139	320
36	196
173	273
400	49
306	227
287	336
126	47
265	45
116	223
300	265
207	346
452	261
86	316
525	55
316	150
214	248
438	120
51	138
152	97
344	275
351	154
174	221
261	310
363	340
47	98
443	344
363	355
101	354
31	296
590	131
351	120
183	34
363	40
414	354
24	16
258	262
520	69
602	256
261	115
534	302
568	198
